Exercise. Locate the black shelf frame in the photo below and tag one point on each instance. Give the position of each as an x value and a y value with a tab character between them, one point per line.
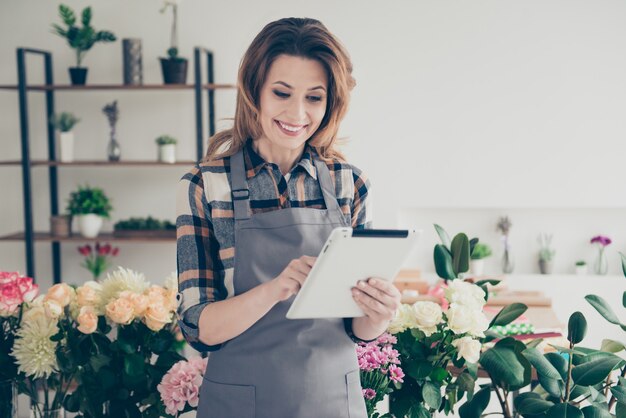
23	88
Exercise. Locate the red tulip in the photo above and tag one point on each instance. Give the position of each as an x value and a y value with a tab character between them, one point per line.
85	250
115	251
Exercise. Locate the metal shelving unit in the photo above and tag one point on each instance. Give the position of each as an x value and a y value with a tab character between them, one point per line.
29	236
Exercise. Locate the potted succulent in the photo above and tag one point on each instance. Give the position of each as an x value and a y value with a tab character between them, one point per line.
174	68
477	258
64	123
167	149
546	253
90	206
581	267
80	38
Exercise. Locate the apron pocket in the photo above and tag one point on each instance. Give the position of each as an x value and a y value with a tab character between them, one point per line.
356	403
218	400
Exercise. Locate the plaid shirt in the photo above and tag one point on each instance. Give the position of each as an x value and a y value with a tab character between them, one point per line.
205	225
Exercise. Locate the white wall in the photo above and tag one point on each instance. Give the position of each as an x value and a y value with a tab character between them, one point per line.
476	108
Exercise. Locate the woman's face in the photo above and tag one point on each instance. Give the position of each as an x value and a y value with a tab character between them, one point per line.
292	103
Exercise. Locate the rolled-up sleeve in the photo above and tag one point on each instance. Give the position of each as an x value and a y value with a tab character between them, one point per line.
196	249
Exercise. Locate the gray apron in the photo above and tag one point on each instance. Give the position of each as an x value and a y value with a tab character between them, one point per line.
281	367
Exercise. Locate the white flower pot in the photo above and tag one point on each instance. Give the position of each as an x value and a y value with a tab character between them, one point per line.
477	267
167	153
89	225
581	270
66	147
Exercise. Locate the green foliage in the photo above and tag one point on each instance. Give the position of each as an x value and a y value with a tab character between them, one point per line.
64	121
165	140
148	223
581	263
80	38
88	200
452	258
546	252
481	251
576	328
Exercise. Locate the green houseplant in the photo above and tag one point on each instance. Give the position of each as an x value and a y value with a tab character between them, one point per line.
167	149
546	253
64	122
90	205
136	226
174	67
80	38
477	258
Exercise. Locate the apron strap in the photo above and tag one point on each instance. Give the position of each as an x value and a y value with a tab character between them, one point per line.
239	187
327	185
241	194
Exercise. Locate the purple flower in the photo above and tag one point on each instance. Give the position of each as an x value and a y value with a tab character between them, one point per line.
601	239
369	394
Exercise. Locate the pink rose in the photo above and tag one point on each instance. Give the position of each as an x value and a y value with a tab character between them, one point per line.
10	298
28	289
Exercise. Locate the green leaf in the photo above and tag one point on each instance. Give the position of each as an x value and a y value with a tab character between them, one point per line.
475	407
466	383
419	411
576	327
594	372
623	266
443	263
432	395
506	365
460	253
443	236
555	387
418	369
603	308
134	365
508	314
439	374
611	346
619	392
624	299
530	403
564	410
541	364
487	281
620	410
595	412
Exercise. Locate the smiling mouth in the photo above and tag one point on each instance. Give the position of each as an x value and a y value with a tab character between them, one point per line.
290	128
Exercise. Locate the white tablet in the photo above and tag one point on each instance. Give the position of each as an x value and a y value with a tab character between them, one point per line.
347	257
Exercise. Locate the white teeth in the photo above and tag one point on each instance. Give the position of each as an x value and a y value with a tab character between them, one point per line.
290	128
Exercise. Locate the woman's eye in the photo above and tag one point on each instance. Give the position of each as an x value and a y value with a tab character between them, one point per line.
281	94
315	98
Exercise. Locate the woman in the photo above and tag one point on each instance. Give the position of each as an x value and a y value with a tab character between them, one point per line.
252	216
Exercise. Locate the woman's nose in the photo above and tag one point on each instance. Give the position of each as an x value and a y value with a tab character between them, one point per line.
297	111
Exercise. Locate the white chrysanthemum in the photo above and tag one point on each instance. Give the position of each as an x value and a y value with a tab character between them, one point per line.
118	281
33	350
171	281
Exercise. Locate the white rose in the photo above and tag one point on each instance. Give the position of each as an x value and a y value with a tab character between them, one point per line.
465	319
427	315
464	293
468	348
52	309
404	319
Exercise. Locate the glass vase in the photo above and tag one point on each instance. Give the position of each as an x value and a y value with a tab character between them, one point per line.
601	263
8	399
37	411
114	151
507	262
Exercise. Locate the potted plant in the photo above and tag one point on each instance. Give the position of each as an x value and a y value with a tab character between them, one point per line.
546	253
80	38
134	226
90	205
64	123
477	258
581	267
174	68
114	152
167	149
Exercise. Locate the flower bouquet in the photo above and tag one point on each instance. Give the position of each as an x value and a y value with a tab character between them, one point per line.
180	387
601	263
97	258
378	362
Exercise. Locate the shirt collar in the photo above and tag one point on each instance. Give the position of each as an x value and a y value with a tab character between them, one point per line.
255	163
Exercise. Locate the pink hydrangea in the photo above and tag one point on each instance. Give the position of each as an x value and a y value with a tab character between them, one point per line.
369	394
15	289
181	385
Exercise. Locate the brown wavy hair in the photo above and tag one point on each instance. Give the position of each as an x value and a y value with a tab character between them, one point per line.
299	37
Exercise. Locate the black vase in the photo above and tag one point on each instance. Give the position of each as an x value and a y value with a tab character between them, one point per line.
174	71
78	75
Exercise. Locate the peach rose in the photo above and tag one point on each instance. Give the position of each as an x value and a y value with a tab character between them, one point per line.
120	311
52	309
62	293
156	316
87	320
87	295
138	301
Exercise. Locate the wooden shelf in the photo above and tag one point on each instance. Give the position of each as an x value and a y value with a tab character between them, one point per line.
43	87
100	163
104	236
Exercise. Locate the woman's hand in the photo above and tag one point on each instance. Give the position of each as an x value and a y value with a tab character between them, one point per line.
290	280
379	300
